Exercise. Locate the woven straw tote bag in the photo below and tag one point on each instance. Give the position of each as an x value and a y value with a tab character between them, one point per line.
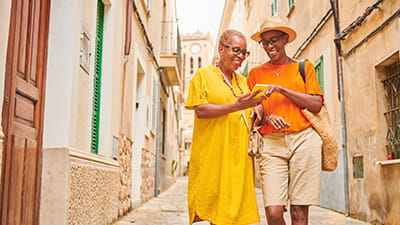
322	124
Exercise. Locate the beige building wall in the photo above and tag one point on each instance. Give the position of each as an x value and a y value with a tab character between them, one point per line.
81	187
374	195
78	182
197	51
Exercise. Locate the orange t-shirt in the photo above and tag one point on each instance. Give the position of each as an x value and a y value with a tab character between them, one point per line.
278	104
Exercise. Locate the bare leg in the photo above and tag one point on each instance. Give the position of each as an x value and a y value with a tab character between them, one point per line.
274	215
299	214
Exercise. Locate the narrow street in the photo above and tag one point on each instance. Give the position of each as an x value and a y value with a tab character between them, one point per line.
170	208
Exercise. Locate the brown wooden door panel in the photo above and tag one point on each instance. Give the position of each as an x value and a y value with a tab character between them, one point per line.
27	132
23	113
27	88
16	180
29	185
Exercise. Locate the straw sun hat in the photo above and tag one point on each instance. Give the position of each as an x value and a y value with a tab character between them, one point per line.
274	23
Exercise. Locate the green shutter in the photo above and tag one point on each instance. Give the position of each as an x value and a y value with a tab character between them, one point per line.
319	70
97	77
274	8
291	3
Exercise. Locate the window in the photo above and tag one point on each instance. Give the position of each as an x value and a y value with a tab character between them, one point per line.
148	5
391	85
319	70
291	3
156	102
191	65
274	8
184	61
199	64
97	77
163	130
84	58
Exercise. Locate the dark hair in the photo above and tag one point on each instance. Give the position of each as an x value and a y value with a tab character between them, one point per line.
228	34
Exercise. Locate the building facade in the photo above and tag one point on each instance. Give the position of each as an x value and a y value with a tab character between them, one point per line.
355	50
89	91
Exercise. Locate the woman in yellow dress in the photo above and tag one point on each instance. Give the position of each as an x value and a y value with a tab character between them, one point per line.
221	176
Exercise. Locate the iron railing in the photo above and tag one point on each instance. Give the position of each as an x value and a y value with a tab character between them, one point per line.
392	88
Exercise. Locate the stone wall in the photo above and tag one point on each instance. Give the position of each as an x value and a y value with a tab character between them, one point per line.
147	173
93	195
125	174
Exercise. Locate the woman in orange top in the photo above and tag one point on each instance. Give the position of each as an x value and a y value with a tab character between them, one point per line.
290	162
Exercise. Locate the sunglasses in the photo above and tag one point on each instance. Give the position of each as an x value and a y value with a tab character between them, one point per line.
237	51
274	40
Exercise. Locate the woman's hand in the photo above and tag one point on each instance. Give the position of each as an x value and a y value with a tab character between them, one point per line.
244	101
312	103
258	113
247	100
276	121
272	88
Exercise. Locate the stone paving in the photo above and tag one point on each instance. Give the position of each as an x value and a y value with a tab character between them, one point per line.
170	208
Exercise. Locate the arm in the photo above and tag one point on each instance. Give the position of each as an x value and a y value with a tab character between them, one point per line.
244	101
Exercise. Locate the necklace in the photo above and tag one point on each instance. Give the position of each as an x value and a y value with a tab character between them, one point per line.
234	93
282	69
229	84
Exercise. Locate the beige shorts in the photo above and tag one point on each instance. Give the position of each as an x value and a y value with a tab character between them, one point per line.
290	166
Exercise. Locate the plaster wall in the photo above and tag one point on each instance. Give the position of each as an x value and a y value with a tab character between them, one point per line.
371	197
68	118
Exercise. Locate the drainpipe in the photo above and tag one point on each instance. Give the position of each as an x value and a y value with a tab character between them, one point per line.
339	59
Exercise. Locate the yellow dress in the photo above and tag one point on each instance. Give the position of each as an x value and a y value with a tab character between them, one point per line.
221	173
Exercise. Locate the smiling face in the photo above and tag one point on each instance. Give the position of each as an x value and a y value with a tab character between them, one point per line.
276	44
232	52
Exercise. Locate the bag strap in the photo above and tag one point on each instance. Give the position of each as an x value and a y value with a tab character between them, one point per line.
302	70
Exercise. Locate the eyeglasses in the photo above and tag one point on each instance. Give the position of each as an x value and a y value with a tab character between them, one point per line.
237	50
274	40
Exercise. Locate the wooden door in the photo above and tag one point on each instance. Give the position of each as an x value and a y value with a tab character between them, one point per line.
23	111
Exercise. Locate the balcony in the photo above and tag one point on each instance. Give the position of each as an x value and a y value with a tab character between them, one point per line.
169	64
170	55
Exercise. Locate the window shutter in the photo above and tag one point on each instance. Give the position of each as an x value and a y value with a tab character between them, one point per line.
319	70
291	3
97	77
274	8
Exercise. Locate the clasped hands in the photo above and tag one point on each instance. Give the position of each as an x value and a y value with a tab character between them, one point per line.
260	119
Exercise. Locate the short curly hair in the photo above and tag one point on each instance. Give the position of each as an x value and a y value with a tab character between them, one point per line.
228	34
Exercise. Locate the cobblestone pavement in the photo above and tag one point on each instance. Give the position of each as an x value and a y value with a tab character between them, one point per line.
170	208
